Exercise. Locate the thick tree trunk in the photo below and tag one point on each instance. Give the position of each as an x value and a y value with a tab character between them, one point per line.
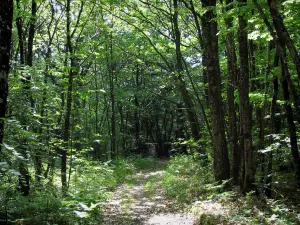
245	109
6	17
231	86
210	42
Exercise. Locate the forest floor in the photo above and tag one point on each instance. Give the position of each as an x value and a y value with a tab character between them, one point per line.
141	201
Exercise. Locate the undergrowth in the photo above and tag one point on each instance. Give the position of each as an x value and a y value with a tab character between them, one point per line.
185	178
193	187
90	186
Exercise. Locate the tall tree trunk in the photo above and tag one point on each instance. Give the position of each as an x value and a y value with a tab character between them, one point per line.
232	83
19	23
274	129
66	131
210	42
29	59
245	109
191	113
136	112
97	99
111	71
290	118
283	34
6	18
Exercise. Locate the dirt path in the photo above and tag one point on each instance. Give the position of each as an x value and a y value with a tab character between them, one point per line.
141	201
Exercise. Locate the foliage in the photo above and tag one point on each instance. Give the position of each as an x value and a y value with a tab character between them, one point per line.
90	186
185	179
213	204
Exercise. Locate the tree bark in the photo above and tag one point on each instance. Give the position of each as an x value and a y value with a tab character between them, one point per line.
19	23
245	108
66	131
210	42
29	59
231	86
111	71
6	18
137	113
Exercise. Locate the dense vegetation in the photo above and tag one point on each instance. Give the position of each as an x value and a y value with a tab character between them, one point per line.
93	91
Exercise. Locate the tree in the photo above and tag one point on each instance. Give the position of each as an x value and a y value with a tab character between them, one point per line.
245	109
231	87
210	43
6	17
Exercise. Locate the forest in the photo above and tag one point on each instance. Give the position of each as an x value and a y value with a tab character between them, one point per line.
149	112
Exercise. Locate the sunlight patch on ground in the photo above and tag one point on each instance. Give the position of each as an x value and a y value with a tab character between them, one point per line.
170	219
144	175
210	207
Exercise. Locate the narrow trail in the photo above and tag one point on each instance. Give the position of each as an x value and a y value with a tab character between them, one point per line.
141	201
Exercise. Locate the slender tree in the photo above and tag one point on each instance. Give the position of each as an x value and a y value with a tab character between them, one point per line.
67	124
